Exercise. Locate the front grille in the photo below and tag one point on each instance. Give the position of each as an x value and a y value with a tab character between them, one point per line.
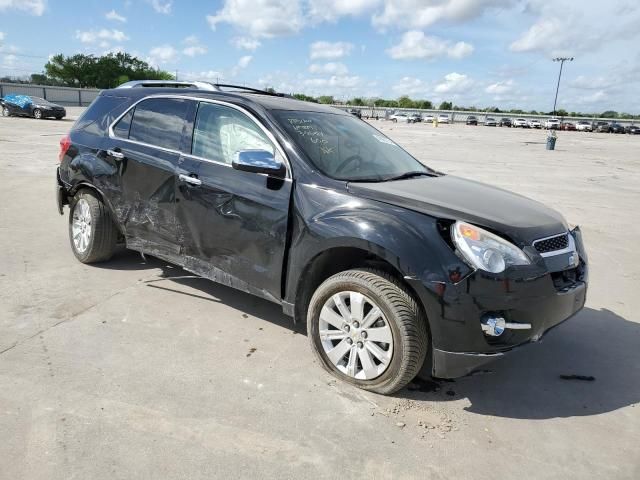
559	242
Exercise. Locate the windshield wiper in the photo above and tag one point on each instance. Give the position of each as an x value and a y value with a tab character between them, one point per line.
411	175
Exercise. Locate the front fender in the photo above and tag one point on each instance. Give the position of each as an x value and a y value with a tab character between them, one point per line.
409	241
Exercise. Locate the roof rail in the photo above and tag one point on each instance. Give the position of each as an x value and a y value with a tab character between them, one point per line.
169	84
211	87
247	89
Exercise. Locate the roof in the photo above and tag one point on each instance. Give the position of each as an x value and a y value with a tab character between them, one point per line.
268	102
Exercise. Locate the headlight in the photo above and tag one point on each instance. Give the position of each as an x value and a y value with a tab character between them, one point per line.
486	251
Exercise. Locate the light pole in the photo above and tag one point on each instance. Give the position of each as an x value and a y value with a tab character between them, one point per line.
561	60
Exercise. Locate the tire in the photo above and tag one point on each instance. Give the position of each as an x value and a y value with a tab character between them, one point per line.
88	214
6	112
37	114
59	117
401	322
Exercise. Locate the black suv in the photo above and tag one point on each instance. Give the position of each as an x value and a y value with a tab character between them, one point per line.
388	261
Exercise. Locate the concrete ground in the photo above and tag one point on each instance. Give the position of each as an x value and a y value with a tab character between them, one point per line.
121	371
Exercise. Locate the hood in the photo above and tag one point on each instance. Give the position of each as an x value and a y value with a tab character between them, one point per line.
450	197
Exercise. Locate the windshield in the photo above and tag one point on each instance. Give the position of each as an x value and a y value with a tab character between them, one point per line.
346	148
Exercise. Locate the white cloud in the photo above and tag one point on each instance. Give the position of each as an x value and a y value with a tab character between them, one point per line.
208	76
104	34
260	18
162	7
423	13
33	7
454	83
193	46
2	35
562	29
334	81
330	68
410	86
245	43
500	88
330	50
416	45
162	54
115	16
244	61
332	10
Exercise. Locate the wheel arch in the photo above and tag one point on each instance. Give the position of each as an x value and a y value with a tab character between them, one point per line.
84	185
340	258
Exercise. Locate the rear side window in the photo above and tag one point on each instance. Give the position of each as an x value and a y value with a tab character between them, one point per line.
99	115
121	129
158	122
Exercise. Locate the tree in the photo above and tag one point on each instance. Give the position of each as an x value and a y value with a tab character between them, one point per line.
405	102
424	104
106	71
609	114
356	102
304	98
328	99
445	106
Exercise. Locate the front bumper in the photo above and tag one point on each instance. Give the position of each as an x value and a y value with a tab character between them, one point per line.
542	295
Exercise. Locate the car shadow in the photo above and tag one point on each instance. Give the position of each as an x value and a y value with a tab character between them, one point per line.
596	352
525	384
174	277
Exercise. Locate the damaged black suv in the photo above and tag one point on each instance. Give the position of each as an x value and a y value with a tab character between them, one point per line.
391	264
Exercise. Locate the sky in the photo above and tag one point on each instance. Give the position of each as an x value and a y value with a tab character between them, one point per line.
471	52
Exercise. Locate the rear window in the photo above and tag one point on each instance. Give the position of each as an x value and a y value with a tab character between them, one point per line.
158	122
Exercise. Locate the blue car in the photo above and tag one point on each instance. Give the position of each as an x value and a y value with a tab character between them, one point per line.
28	106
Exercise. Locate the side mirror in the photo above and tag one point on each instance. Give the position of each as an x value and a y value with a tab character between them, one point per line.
258	161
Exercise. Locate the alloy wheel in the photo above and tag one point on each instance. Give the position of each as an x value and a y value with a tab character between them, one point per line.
81	226
355	335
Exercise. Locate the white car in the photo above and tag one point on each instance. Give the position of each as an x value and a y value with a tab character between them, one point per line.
520	122
534	123
552	124
490	122
399	117
442	118
427	118
584	126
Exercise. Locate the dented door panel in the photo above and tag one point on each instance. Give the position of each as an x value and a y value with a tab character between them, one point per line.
234	226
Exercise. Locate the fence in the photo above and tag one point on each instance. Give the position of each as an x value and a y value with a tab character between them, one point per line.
67	96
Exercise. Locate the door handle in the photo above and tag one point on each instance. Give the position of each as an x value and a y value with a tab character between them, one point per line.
115	154
191	180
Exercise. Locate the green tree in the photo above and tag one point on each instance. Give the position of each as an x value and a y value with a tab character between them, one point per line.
405	102
357	102
304	98
445	106
328	99
106	71
609	114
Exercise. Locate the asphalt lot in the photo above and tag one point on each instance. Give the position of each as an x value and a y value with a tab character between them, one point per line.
122	371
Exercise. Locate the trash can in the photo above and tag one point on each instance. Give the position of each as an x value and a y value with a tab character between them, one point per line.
551	142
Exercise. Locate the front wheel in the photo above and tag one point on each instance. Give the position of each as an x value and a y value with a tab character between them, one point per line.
5	112
92	233
37	114
367	330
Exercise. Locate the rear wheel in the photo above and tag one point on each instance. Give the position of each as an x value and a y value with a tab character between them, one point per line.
367	330
37	114
92	233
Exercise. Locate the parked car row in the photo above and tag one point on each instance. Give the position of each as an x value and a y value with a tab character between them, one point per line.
549	124
29	106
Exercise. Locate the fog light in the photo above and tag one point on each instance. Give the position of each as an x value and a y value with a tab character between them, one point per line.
493	326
